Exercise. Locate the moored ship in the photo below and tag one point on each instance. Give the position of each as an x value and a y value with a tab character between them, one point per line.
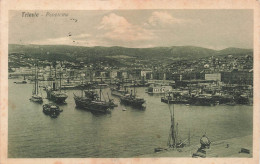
174	98
131	99
36	97
223	99
52	110
241	99
202	100
182	97
21	82
55	95
128	99
92	102
118	91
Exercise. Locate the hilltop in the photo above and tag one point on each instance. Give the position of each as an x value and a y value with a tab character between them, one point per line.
110	54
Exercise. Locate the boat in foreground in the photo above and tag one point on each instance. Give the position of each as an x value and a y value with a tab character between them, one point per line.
52	110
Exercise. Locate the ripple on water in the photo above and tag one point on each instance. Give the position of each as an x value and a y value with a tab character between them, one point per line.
79	133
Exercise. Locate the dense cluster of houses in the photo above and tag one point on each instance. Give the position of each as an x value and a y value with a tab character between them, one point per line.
227	69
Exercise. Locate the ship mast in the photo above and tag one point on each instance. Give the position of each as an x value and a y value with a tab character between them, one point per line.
81	78
36	80
35	85
60	76
50	72
100	93
55	69
134	88
172	135
55	75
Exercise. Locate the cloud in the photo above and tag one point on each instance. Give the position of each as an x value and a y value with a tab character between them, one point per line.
53	41
112	29
75	40
81	36
116	27
81	40
163	19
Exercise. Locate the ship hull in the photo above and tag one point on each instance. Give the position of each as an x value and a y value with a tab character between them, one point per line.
37	100
88	104
23	82
56	97
165	100
223	99
202	101
51	110
117	93
242	100
132	102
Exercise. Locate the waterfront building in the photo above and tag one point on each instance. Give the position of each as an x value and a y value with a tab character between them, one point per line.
213	76
237	77
113	74
146	74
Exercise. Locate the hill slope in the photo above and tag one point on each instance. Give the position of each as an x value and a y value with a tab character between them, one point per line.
72	53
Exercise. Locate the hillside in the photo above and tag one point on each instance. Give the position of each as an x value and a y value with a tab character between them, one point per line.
73	53
233	50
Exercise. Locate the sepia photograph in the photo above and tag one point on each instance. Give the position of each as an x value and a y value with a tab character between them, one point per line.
130	83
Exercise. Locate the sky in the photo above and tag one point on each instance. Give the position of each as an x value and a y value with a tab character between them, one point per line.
215	29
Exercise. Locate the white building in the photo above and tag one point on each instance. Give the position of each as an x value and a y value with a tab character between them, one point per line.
213	76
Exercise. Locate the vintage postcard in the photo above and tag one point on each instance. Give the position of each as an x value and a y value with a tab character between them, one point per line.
129	82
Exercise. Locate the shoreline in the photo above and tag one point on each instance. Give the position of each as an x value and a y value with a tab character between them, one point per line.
217	149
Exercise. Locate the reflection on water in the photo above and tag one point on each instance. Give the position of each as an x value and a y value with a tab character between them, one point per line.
81	133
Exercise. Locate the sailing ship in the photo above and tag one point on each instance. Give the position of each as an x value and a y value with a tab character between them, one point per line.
174	141
36	97
91	101
55	94
132	99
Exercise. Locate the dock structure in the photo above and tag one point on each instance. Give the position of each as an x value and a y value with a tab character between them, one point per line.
21	74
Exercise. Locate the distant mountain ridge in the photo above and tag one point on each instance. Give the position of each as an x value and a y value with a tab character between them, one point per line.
62	52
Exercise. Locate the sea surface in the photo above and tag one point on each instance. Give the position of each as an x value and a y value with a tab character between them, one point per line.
79	133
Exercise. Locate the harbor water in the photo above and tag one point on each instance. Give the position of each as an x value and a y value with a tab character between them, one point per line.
80	133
